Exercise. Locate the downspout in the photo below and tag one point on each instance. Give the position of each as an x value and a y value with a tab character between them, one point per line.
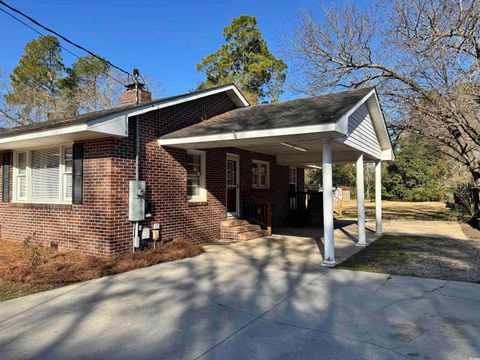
137	153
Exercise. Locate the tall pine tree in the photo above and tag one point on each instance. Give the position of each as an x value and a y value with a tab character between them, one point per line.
34	94
246	61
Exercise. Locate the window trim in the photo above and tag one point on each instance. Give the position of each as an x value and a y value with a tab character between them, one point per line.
63	172
16	175
258	185
62	200
202	197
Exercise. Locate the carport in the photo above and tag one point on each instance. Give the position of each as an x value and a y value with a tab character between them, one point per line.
345	127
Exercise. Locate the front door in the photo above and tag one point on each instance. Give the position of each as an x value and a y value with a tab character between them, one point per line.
233	188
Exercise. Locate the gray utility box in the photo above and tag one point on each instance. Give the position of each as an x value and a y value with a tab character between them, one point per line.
136	201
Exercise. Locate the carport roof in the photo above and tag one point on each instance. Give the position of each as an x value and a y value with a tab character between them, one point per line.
301	112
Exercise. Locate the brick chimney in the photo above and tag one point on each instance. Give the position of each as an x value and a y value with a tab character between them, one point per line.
129	96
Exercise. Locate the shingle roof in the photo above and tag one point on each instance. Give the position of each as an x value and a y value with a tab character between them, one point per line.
302	112
84	118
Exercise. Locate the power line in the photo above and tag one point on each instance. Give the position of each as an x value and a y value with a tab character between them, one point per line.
63	37
63	47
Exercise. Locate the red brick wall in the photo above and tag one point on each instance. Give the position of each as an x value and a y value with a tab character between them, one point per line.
83	227
100	225
166	177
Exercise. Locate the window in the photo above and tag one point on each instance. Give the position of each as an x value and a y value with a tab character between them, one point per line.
21	181
293	179
67	173
44	175
260	174
196	176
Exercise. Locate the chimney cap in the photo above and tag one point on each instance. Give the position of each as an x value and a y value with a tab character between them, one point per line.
132	86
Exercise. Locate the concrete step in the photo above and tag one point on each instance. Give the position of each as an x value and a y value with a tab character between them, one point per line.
249	235
240	229
233	222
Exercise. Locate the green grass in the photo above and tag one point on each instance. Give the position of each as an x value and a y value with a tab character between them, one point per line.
438	258
12	289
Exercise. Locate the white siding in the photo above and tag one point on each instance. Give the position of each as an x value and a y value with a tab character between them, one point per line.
361	133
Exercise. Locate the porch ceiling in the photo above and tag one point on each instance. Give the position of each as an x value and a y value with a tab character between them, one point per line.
312	156
293	150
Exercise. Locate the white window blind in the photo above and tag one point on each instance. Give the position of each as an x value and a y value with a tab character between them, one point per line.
45	174
22	175
67	173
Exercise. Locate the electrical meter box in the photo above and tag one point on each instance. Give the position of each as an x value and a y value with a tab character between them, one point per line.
136	201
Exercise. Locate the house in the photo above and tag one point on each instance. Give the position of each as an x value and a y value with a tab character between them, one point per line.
208	160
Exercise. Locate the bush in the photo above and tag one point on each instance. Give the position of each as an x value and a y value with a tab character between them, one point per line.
417	174
464	201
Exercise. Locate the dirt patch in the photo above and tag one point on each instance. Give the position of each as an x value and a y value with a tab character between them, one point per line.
26	268
400	210
470	232
438	258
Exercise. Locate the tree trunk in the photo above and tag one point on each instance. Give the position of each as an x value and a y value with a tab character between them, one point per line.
476	194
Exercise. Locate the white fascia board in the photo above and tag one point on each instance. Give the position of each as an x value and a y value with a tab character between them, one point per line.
151	107
388	155
382	122
252	134
117	126
378	123
45	133
342	123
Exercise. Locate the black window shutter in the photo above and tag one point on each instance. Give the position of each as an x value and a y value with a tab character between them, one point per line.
77	178
6	177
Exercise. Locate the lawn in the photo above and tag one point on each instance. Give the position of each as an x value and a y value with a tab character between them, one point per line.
26	268
438	258
400	210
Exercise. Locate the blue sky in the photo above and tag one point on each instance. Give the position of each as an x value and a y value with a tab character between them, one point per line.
164	39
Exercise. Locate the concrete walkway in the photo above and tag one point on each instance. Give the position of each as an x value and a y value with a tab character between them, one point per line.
266	299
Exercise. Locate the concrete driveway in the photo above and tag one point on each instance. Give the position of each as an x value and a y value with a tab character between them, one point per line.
265	299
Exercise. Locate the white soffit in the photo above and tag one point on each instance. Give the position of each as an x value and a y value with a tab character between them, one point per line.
112	126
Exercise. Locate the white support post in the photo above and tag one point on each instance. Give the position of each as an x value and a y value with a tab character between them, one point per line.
329	244
378	197
362	240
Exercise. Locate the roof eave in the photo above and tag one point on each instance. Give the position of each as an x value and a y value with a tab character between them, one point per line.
112	124
223	139
231	90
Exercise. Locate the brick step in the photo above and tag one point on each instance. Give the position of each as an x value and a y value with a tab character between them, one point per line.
240	229
249	235
233	222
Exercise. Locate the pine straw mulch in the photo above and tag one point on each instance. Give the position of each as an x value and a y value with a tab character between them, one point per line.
31	267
